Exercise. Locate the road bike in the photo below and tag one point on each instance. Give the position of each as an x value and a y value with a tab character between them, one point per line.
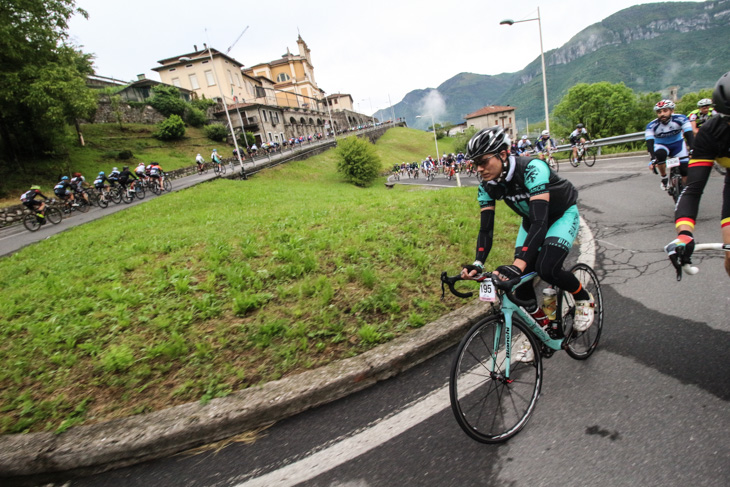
547	156
494	391
584	154
689	268
219	168
32	220
396	175
674	184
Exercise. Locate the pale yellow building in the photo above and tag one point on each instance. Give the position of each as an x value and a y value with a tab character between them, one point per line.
293	77
207	77
493	115
339	102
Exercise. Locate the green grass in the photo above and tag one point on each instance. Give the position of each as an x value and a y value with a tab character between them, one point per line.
226	285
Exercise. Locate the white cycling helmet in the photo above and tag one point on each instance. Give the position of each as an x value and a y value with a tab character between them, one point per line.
705	102
545	133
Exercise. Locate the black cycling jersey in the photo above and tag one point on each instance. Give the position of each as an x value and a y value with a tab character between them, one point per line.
526	178
711	144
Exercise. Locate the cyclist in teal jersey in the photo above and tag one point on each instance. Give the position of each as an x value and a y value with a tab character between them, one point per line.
550	219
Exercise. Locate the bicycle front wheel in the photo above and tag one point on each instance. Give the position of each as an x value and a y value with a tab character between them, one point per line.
553	164
590	156
167	185
582	345
489	406
139	192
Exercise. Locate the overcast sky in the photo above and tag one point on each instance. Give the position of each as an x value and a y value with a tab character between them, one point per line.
375	50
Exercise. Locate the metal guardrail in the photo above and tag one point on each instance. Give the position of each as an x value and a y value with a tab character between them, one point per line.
618	139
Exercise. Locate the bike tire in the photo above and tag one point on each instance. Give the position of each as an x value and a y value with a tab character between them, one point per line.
574	162
115	195
102	202
167	185
126	196
553	164
139	192
487	407
582	345
155	188
589	157
83	206
223	169
31	222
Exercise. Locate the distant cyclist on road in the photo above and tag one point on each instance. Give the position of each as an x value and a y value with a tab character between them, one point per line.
579	135
28	199
712	144
544	143
665	137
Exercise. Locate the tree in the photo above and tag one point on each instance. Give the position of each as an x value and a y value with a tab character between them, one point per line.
462	139
689	101
43	78
358	162
605	109
249	140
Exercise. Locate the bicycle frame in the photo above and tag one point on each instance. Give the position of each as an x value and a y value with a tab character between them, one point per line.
509	308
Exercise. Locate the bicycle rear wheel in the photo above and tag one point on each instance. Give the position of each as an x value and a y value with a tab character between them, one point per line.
223	169
139	192
83	205
490	407
54	215
590	156
574	161
553	164
115	194
582	345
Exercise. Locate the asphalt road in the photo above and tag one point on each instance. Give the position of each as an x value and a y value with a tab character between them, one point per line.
649	408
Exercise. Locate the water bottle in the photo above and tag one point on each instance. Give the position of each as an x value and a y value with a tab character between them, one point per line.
539	316
549	302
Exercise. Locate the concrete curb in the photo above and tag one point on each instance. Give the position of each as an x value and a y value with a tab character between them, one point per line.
27	459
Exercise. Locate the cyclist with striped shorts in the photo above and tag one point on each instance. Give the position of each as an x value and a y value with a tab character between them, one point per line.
712	144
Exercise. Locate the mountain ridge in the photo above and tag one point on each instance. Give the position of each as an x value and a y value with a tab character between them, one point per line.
629	46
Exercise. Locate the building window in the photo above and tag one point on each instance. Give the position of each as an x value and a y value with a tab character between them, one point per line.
230	76
271	139
188	65
205	62
282	77
238	81
176	82
209	76
172	69
194	81
265	119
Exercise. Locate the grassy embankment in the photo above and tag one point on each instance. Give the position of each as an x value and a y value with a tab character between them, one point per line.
225	285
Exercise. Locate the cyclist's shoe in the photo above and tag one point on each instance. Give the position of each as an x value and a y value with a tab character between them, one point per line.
524	352
663	184
584	313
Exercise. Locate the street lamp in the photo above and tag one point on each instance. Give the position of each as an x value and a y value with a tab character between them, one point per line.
433	126
542	57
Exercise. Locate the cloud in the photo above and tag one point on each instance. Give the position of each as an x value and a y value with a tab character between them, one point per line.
433	104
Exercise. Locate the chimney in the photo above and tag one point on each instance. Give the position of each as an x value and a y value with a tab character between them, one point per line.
140	77
196	47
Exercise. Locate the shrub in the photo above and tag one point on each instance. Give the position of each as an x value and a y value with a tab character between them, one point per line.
358	162
172	128
167	101
125	154
203	103
195	117
216	132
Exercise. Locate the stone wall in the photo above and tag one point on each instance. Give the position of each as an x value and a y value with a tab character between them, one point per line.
130	114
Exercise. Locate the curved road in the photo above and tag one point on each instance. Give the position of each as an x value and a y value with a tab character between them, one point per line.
649	408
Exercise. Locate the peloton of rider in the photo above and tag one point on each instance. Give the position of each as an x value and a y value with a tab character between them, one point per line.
124	178
712	144
665	137
550	220
140	171
699	116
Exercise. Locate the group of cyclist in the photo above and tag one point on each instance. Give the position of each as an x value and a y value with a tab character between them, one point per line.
547	203
545	144
73	190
